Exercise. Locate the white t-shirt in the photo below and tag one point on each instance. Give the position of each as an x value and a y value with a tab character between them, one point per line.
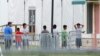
56	39
55	33
25	31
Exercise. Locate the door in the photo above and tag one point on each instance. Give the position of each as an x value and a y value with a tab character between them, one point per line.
32	21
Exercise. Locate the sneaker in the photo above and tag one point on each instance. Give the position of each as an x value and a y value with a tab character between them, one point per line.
19	48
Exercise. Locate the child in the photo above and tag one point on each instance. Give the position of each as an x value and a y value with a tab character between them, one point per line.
25	36
64	35
78	28
45	41
8	35
55	37
18	38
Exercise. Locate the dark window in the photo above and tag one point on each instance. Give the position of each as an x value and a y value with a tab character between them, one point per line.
32	21
89	17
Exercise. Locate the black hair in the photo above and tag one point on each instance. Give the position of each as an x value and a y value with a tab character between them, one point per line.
18	29
54	26
78	24
24	24
64	26
9	23
44	27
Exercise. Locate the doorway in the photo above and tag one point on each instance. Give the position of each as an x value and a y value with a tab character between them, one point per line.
32	17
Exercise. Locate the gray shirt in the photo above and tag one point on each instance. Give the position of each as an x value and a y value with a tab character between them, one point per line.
45	39
78	32
45	31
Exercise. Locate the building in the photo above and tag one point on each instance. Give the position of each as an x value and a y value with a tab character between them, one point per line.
68	12
92	22
38	13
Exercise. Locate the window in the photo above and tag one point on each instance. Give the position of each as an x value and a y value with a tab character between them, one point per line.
89	18
32	20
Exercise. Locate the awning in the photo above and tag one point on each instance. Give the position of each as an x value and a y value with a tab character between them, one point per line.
74	2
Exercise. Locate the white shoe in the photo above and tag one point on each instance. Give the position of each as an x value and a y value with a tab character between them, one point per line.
19	48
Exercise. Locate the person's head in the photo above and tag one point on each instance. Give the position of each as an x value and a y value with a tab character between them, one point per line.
18	29
10	24
64	27
54	26
24	25
78	25
44	27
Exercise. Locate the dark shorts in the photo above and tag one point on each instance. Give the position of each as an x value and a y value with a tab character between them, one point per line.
78	42
64	43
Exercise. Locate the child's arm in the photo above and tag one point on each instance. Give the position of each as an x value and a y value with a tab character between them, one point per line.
82	26
75	26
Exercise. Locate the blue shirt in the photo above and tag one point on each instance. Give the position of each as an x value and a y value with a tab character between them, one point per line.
7	33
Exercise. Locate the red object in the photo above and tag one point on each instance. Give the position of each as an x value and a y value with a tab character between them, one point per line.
18	36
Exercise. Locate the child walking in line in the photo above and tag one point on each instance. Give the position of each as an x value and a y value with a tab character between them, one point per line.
78	28
55	37
45	38
18	38
64	35
25	36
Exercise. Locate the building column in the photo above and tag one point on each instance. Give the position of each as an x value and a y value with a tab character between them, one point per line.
96	22
94	28
96	18
85	18
99	18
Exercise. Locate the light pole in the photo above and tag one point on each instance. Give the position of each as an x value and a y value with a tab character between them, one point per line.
52	15
42	15
8	9
61	13
24	9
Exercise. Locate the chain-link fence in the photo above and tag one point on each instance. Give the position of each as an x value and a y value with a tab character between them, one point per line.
46	41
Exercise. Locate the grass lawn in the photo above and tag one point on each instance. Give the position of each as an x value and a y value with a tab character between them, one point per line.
37	52
40	53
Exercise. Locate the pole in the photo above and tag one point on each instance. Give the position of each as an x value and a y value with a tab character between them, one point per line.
42	15
24	11
8	10
61	13
83	13
52	15
73	17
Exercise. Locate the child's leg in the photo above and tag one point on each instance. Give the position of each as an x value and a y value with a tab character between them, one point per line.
9	43
27	43
65	44
19	44
6	45
78	42
23	43
62	44
16	44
